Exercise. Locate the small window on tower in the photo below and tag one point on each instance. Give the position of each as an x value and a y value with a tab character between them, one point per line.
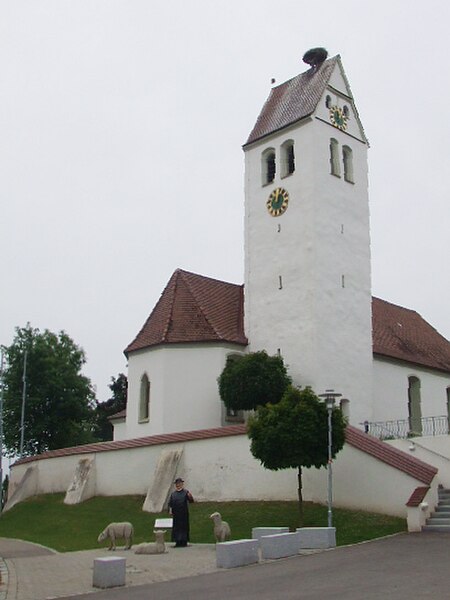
268	166
287	158
334	158
347	156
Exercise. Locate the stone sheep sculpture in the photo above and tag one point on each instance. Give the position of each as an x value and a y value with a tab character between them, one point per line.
156	547
117	530
222	530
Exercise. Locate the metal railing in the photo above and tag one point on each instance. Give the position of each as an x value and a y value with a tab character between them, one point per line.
405	428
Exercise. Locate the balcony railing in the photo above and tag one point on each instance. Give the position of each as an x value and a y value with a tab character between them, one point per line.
404	428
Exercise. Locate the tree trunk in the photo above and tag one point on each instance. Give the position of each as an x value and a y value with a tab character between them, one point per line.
300	498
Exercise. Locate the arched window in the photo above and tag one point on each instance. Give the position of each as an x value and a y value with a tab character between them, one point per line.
287	158
414	408
268	166
144	399
334	158
347	156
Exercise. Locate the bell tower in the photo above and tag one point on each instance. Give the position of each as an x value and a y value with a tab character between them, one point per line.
307	244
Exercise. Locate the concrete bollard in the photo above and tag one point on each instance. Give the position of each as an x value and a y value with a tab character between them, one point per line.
109	571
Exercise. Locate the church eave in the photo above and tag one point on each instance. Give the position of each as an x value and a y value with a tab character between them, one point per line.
164	343
397	358
258	140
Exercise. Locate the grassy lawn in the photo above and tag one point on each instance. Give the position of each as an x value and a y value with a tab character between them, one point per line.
46	520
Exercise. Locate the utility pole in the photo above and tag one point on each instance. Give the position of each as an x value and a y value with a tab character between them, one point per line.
24	393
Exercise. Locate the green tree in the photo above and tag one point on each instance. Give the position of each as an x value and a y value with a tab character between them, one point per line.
251	380
60	402
117	402
294	434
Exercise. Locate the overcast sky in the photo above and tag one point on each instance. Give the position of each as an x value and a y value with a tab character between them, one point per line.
121	126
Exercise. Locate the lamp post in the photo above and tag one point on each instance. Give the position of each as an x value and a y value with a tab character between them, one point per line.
330	399
24	395
1	424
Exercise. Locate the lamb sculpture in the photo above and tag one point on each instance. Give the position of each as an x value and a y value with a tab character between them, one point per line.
222	530
117	530
156	547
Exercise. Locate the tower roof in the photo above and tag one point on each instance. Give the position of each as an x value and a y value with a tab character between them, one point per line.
293	100
194	308
297	99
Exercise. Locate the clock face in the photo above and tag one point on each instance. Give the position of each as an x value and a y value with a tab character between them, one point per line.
277	202
338	118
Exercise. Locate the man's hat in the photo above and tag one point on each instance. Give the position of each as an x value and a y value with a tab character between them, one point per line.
179	480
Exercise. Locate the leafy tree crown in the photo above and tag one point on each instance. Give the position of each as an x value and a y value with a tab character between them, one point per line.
60	400
252	380
294	432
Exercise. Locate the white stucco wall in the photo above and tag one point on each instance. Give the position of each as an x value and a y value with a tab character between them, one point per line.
183	388
391	390
363	482
432	450
223	469
320	319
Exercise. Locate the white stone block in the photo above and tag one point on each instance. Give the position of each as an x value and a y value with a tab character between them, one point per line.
280	545
109	571
258	532
317	537
237	553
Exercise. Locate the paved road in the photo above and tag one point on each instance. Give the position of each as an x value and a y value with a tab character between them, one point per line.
401	567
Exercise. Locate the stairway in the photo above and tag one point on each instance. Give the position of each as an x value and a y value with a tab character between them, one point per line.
440	519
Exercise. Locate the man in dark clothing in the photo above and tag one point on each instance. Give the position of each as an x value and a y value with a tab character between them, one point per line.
179	509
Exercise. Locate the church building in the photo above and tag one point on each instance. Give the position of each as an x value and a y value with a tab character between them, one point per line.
307	291
307	297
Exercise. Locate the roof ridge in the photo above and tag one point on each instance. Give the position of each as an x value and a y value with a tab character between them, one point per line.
175	276
396	305
203	311
200	276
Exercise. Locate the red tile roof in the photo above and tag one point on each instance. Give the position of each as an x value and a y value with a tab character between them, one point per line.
403	334
194	308
392	456
293	100
417	496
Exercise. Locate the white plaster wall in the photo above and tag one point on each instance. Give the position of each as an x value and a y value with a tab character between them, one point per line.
184	393
54	475
120	430
432	450
390	390
364	483
322	328
223	469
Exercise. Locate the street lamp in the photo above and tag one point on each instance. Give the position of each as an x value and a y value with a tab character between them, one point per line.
330	399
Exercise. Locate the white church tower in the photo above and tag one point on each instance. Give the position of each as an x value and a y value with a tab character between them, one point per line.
307	244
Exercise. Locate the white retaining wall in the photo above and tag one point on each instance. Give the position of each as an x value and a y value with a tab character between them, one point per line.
223	469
